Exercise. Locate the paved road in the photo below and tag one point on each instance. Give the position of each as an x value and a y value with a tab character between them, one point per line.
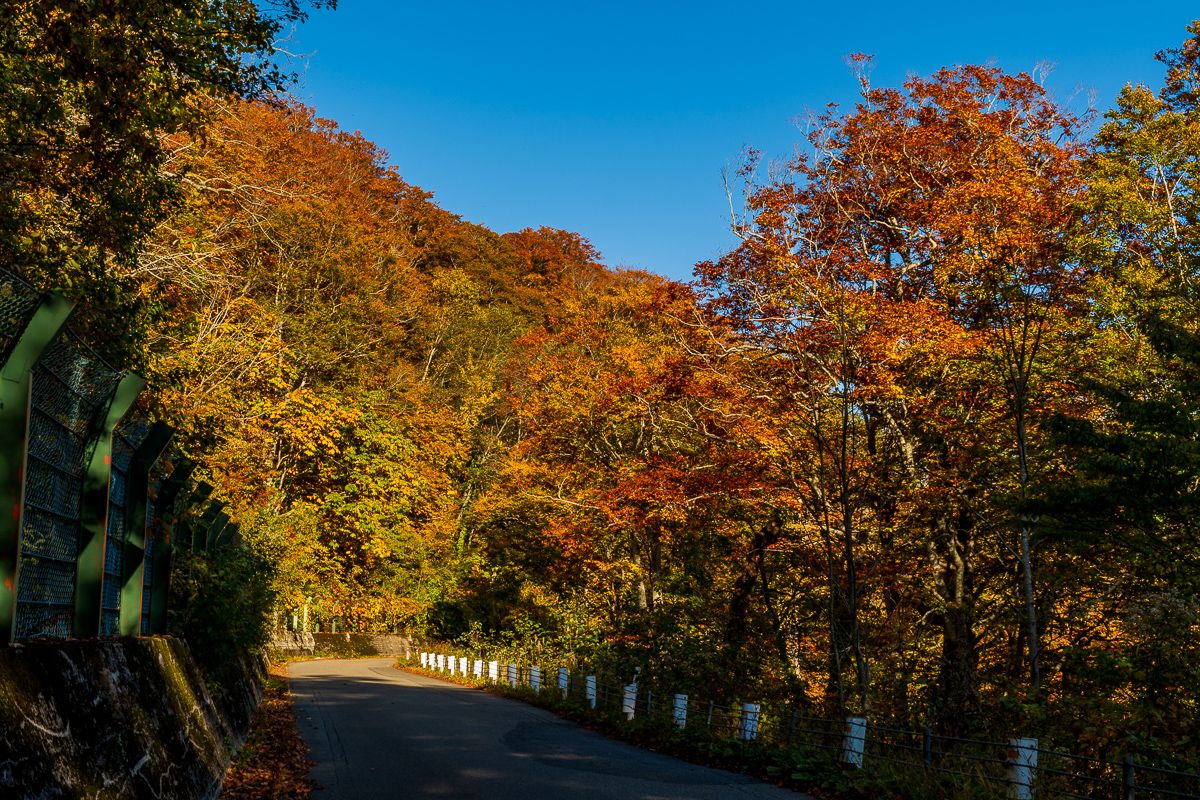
378	732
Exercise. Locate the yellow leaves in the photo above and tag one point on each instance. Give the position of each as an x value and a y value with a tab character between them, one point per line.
313	425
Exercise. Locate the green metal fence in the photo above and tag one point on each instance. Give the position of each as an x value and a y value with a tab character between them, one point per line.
93	489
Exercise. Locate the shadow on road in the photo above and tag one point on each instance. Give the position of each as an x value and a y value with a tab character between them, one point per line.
377	732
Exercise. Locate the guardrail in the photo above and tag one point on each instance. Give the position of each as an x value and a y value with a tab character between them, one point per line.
1018	768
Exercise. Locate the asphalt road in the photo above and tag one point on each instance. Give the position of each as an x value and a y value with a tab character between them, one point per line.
378	732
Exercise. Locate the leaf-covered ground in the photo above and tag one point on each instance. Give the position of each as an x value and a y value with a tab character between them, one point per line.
274	763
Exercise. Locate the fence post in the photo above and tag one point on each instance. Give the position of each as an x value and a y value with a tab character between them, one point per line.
927	746
629	700
136	534
748	727
535	679
94	506
512	675
494	671
214	533
1022	763
591	690
710	710
791	728
679	710
453	664
479	668
462	666
1128	781
562	681
855	741
166	522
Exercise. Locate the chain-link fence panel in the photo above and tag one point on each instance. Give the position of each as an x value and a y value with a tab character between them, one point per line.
126	440
18	300
159	505
68	387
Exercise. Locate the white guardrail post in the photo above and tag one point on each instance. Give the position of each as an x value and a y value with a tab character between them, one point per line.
1022	758
512	675
535	679
562	681
629	700
494	671
591	690
679	710
748	726
855	741
479	668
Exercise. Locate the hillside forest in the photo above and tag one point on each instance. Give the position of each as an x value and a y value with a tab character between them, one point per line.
925	444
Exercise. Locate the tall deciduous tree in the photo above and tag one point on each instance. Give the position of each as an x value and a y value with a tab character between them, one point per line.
920	243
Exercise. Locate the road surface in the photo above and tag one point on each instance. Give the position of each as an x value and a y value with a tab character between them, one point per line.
377	732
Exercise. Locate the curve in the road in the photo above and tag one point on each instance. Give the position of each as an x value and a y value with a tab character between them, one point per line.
377	732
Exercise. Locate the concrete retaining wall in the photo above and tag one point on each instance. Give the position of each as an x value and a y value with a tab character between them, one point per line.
342	645
123	718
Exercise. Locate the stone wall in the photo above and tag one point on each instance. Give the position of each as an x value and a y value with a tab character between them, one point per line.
118	718
341	645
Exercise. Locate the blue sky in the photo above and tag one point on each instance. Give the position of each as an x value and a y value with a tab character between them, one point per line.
615	119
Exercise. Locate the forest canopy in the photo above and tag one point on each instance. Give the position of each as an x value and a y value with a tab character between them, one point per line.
924	445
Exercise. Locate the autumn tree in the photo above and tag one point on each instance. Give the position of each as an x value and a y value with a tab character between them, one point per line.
902	276
89	88
1125	508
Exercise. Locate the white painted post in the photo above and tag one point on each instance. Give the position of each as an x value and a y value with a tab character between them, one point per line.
1022	765
512	675
535	679
452	662
494	671
680	710
591	690
442	662
478	668
424	660
629	700
462	666
748	728
855	741
562	681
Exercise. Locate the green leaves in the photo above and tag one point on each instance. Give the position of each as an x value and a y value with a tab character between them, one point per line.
88	90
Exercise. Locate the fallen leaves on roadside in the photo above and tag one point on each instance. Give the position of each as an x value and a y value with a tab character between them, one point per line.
274	763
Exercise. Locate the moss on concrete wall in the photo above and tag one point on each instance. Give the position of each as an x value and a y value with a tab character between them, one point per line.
124	718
